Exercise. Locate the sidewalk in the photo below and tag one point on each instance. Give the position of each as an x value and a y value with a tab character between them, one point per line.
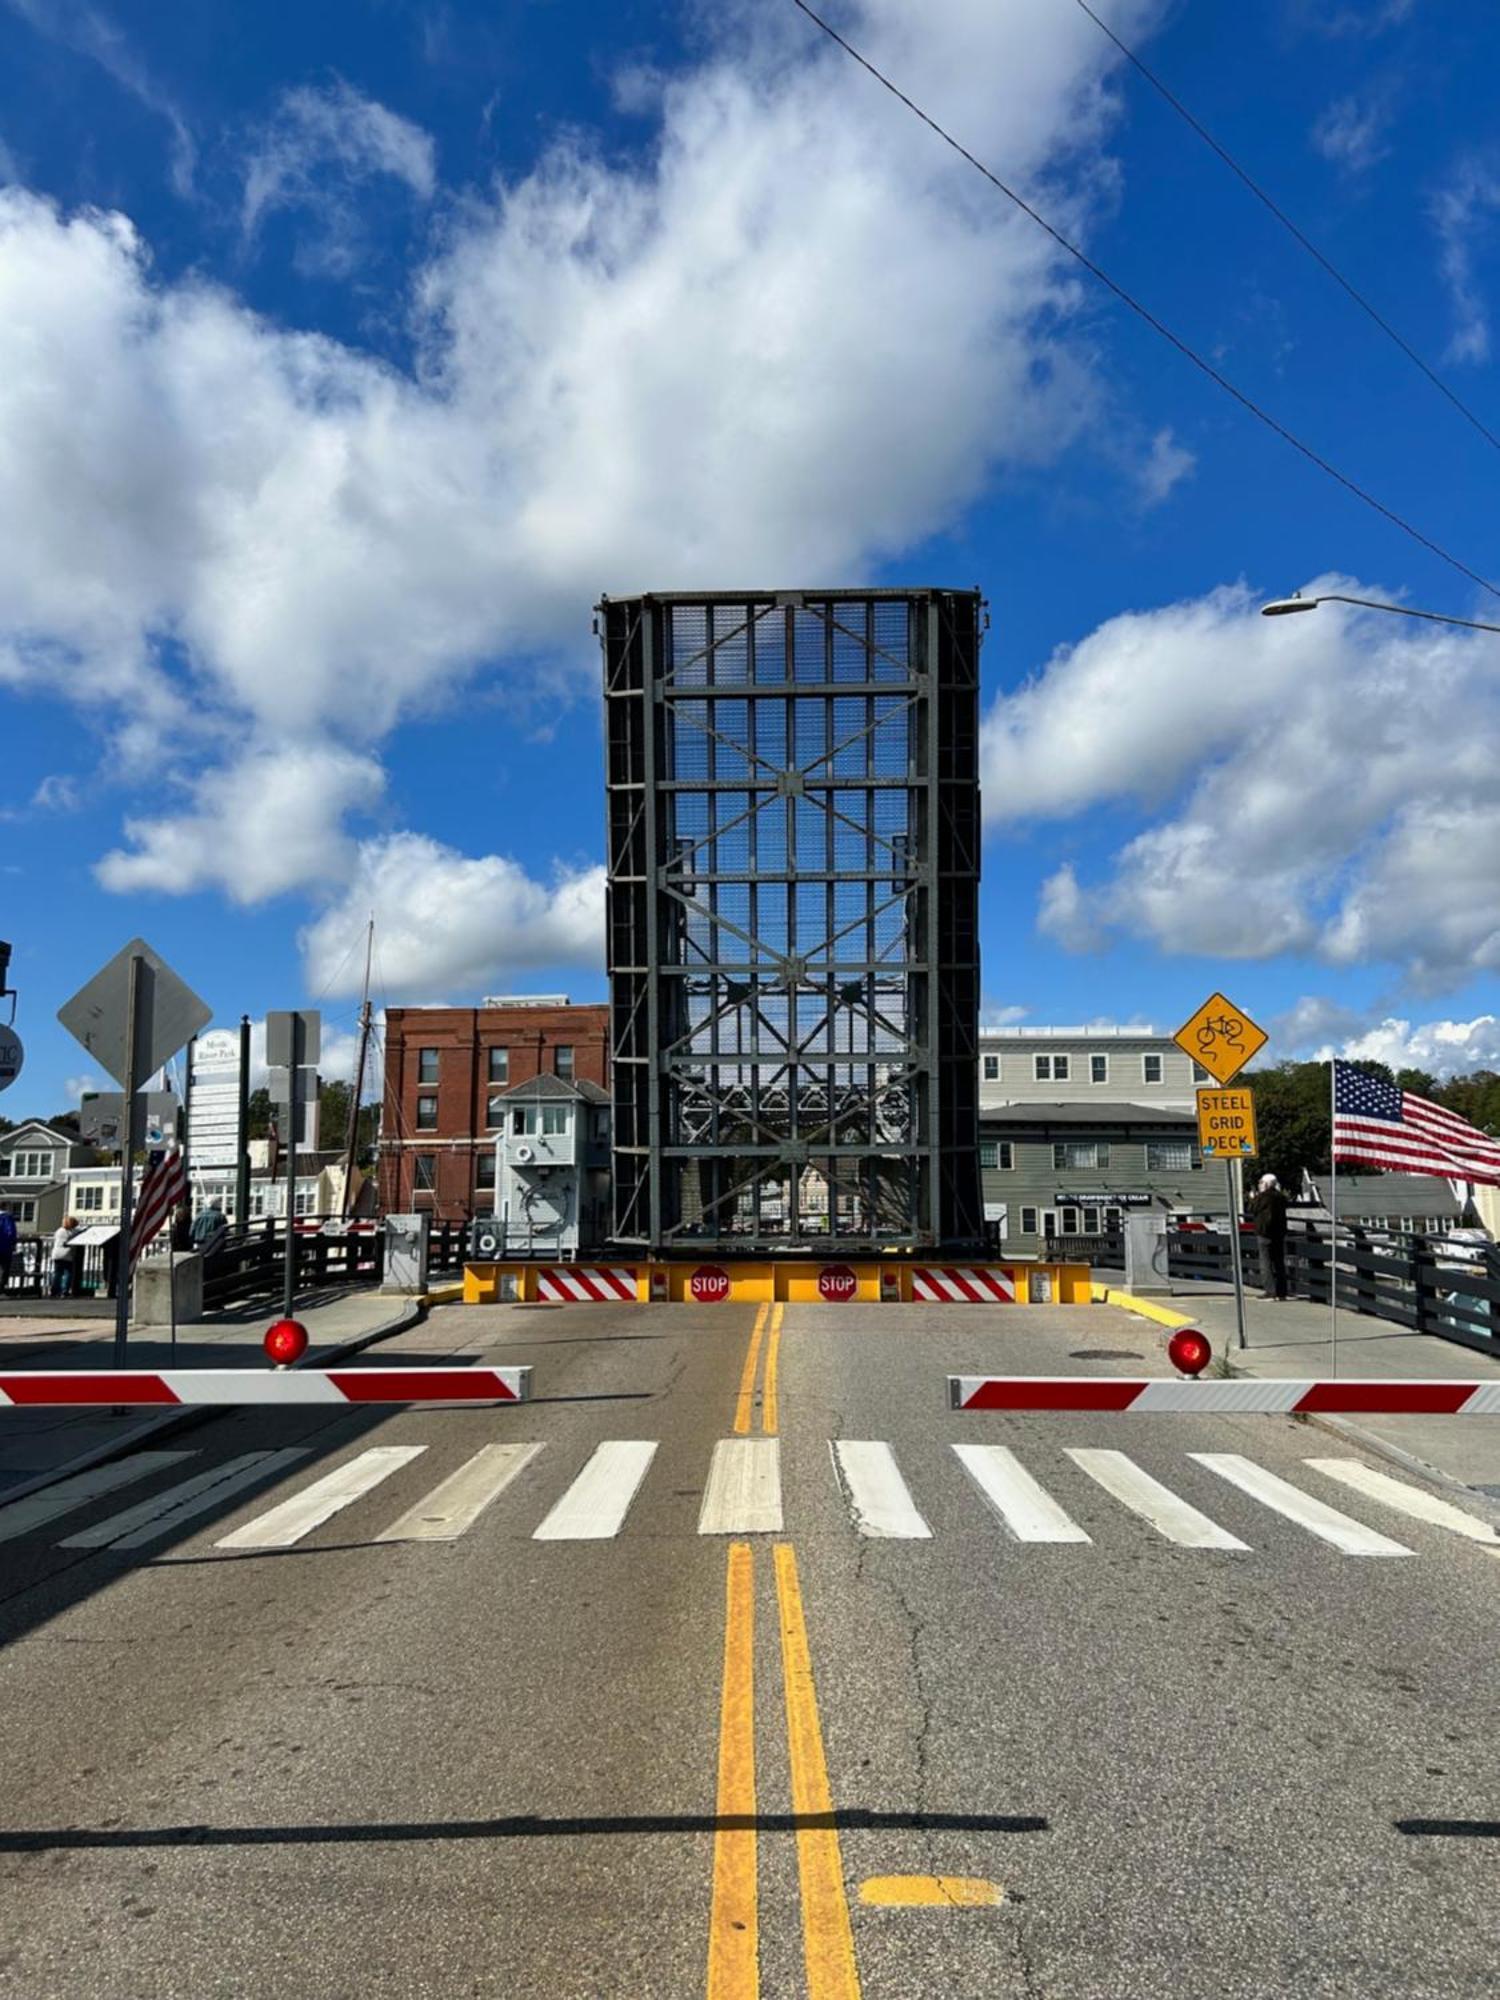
38	1446
1291	1338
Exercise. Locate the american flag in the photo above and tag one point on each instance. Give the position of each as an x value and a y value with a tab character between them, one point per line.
1380	1125
164	1188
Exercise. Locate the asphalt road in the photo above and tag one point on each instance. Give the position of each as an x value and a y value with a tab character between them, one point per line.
666	1762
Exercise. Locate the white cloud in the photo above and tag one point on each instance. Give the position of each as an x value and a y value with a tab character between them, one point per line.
75	1087
1317	1028
446	922
57	792
269	823
1295	805
1351	134
1460	212
317	149
1002	1017
1166	465
767	348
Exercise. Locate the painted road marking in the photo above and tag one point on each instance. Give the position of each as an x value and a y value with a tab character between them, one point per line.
284	1526
930	1892
1170	1516
1413	1500
743	1494
24	1517
745	1399
768	1406
1280	1495
1027	1509
597	1502
827	1936
880	1503
457	1503
159	1515
733	1933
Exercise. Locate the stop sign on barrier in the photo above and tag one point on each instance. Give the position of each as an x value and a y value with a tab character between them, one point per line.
709	1284
837	1283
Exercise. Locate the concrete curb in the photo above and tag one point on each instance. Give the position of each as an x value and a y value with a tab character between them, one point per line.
1108	1295
410	1314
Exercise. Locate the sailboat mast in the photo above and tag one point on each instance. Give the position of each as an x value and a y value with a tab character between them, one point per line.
359	1077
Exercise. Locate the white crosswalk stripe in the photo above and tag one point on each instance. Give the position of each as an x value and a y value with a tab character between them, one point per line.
284	1526
1283	1498
595	1505
743	1494
452	1508
1407	1499
38	1510
1170	1515
880	1502
151	1519
1025	1507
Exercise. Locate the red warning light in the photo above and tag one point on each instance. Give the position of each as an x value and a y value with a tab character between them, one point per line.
1189	1351
285	1341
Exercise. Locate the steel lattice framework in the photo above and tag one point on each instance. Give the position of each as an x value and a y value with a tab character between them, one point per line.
793	918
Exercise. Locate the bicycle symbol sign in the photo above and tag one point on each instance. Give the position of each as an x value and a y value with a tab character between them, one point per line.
1222	1037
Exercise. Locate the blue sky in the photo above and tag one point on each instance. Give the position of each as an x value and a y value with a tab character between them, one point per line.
348	353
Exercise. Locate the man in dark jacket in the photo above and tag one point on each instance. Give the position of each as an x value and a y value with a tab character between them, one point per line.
1268	1213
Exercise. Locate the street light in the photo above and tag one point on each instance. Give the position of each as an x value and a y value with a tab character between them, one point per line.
1282	607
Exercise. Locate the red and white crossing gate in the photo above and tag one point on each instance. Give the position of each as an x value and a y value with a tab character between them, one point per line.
38	1389
963	1284
1233	1398
588	1284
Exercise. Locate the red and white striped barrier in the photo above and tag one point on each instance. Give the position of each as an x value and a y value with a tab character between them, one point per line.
587	1284
1233	1398
963	1284
40	1389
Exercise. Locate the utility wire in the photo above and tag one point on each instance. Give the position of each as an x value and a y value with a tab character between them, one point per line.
1287	223
1157	326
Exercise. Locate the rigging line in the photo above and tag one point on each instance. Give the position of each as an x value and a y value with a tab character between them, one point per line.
1287	223
1144	313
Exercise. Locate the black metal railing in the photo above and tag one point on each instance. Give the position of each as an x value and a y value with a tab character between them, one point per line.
1105	1252
1426	1283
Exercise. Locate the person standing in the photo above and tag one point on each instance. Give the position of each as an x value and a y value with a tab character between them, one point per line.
1268	1213
7	1245
62	1257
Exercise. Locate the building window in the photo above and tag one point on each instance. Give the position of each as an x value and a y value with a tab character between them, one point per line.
1151	1068
1169	1156
1200	1074
426	1114
306	1201
554	1119
499	1061
1098	1069
1069	1222
424	1178
427	1065
562	1061
1091	1222
484	1171
1007	1157
1068	1157
1028	1222
88	1200
992	1069
989	1152
519	1123
1051	1069
494	1114
30	1166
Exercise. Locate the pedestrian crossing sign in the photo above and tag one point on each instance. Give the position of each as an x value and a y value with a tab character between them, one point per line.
1226	1124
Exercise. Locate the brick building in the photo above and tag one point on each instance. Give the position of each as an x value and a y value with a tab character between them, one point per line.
445	1071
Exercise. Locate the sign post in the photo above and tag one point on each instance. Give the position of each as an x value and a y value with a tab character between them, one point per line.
1222	1038
131	1016
294	1042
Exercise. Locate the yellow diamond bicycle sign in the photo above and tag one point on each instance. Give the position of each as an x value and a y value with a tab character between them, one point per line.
1222	1037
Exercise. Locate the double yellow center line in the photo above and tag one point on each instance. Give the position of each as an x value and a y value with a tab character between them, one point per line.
767	1319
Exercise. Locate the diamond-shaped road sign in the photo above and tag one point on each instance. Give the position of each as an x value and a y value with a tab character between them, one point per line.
1222	1037
95	1016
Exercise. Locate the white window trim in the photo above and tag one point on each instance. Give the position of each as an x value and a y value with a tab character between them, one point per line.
1094	1057
1161	1064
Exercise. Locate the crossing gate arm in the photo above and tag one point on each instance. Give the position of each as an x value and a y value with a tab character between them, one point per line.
1239	1397
226	1387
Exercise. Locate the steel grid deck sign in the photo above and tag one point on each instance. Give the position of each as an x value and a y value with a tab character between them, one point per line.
1226	1124
1222	1037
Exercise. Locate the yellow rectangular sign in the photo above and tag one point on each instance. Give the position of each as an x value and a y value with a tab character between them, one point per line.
1226	1124
1222	1037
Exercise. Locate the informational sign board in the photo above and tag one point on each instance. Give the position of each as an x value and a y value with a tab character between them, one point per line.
101	1118
1222	1037
1104	1198
214	1101
12	1055
1226	1124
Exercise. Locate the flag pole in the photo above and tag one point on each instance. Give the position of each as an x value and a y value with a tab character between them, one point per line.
1333	1213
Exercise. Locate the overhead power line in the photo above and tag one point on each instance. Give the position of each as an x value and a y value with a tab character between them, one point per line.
1157	326
1287	223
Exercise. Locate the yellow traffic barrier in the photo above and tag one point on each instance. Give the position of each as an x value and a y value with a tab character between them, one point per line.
794	1281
